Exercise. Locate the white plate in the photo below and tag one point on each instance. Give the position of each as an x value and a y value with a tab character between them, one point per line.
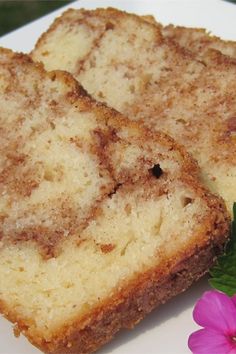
166	330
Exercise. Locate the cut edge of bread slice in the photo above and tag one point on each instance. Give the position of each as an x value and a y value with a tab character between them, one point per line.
120	143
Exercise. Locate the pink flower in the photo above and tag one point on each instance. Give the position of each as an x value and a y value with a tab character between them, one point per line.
216	312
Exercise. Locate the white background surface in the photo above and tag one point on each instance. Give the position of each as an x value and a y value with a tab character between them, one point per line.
166	330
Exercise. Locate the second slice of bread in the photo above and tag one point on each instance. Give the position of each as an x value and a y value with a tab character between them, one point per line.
125	61
196	40
100	220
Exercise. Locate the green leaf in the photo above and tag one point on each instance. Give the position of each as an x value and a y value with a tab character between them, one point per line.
224	272
227	285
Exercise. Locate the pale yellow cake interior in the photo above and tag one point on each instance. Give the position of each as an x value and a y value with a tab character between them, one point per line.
77	225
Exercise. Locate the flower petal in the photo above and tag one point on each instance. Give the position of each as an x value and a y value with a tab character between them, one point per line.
208	341
232	351
217	311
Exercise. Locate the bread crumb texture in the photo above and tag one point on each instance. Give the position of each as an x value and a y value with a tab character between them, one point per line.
170	79
90	204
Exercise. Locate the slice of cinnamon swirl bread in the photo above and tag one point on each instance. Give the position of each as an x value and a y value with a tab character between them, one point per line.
100	220
125	61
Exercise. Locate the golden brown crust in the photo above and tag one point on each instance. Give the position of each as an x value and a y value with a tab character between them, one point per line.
197	40
108	14
137	298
